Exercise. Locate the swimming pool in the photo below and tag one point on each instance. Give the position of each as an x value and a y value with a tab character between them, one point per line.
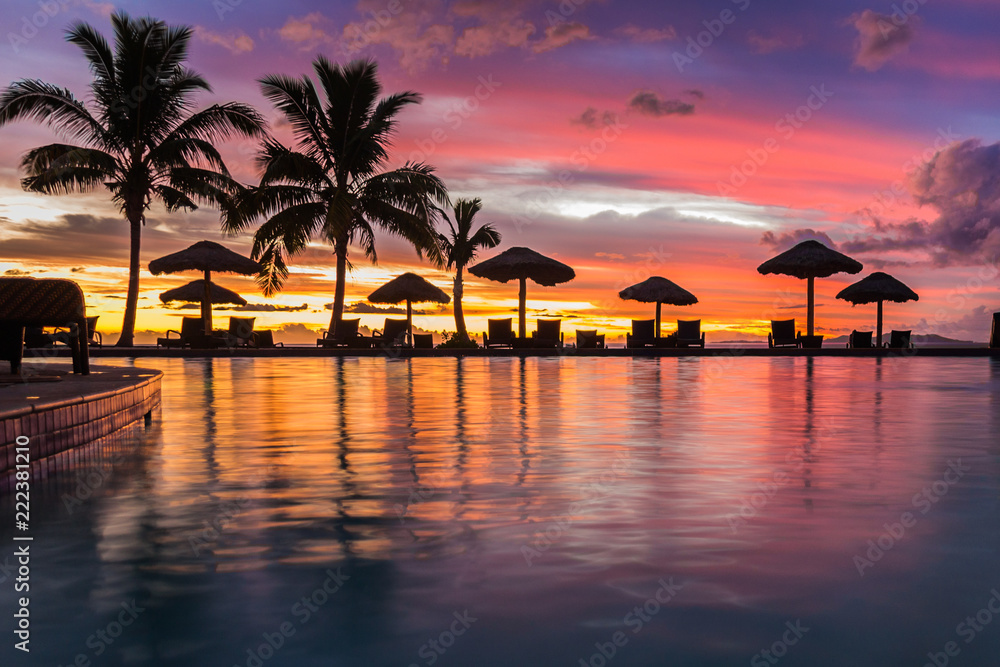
541	511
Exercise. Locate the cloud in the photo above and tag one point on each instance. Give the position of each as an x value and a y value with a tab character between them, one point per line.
485	39
235	42
694	92
962	183
307	32
561	34
296	333
609	255
592	119
880	38
784	241
646	35
776	42
412	33
649	103
362	308
16	272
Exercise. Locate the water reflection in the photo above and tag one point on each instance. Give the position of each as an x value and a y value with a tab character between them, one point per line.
545	496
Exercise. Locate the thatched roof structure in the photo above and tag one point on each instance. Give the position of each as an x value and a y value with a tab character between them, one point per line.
810	259
523	263
194	292
877	287
204	256
408	287
659	290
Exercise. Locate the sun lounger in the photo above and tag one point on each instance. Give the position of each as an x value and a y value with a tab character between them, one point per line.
392	334
240	331
589	339
899	340
783	334
548	334
500	333
346	335
264	339
689	334
860	340
42	302
643	334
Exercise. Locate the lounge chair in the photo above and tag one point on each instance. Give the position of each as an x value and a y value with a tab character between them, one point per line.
548	334
240	332
589	339
346	335
392	334
500	333
263	340
995	333
899	340
65	335
41	302
423	341
192	334
689	334
860	340
783	334
643	334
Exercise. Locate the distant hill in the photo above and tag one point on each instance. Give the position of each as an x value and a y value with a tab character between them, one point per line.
921	339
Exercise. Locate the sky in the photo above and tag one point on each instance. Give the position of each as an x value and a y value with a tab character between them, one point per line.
690	140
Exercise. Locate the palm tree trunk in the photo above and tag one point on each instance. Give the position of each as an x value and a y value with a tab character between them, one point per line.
338	297
459	315
132	299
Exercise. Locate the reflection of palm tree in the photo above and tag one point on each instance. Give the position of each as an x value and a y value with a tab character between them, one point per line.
460	247
333	185
143	143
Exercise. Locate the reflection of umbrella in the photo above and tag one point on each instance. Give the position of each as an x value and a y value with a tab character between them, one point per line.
205	256
878	287
659	291
194	292
408	287
810	260
521	264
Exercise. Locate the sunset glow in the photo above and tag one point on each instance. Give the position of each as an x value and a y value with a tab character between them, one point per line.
596	135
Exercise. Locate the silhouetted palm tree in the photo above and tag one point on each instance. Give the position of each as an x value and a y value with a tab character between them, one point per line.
333	184
143	142
460	247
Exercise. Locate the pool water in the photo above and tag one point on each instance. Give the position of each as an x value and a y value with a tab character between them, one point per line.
543	511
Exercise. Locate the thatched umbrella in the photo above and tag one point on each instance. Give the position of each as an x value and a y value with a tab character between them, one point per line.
409	287
194	292
878	287
659	291
205	256
520	264
810	260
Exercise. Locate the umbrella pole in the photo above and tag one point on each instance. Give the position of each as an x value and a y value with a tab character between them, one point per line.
206	304
409	323
878	327
810	306
522	296
658	304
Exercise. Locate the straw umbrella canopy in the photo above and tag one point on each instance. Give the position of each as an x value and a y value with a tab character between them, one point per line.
659	291
194	292
876	288
206	256
410	288
521	264
810	260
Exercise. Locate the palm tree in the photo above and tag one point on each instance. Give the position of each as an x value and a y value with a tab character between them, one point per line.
460	248
142	142
333	184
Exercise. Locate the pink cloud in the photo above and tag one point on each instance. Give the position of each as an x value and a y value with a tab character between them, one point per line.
485	39
561	34
646	35
235	42
306	32
880	37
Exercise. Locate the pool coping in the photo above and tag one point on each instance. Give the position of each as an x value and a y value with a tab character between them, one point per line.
73	411
393	353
